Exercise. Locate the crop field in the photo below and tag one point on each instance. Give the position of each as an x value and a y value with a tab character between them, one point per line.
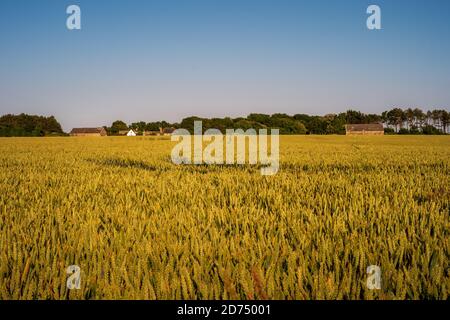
141	227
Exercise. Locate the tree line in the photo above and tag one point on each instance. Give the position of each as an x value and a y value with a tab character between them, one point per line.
138	127
395	121
24	125
415	121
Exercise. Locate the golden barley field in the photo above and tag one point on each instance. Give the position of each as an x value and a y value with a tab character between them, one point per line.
141	227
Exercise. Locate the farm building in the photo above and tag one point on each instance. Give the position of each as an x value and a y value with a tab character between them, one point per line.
167	131
151	133
364	129
128	133
161	132
131	133
88	132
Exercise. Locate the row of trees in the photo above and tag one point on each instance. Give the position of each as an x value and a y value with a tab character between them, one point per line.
415	120
396	120
296	124
24	125
139	127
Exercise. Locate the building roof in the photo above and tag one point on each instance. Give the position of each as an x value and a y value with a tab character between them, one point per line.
87	130
168	130
364	127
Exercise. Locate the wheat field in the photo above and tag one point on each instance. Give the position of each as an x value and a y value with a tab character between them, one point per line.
141	227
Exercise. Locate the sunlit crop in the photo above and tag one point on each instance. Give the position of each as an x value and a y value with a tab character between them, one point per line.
141	227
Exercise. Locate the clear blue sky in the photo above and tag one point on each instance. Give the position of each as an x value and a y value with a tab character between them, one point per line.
153	60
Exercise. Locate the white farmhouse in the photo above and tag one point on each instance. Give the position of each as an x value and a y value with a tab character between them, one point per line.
131	133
